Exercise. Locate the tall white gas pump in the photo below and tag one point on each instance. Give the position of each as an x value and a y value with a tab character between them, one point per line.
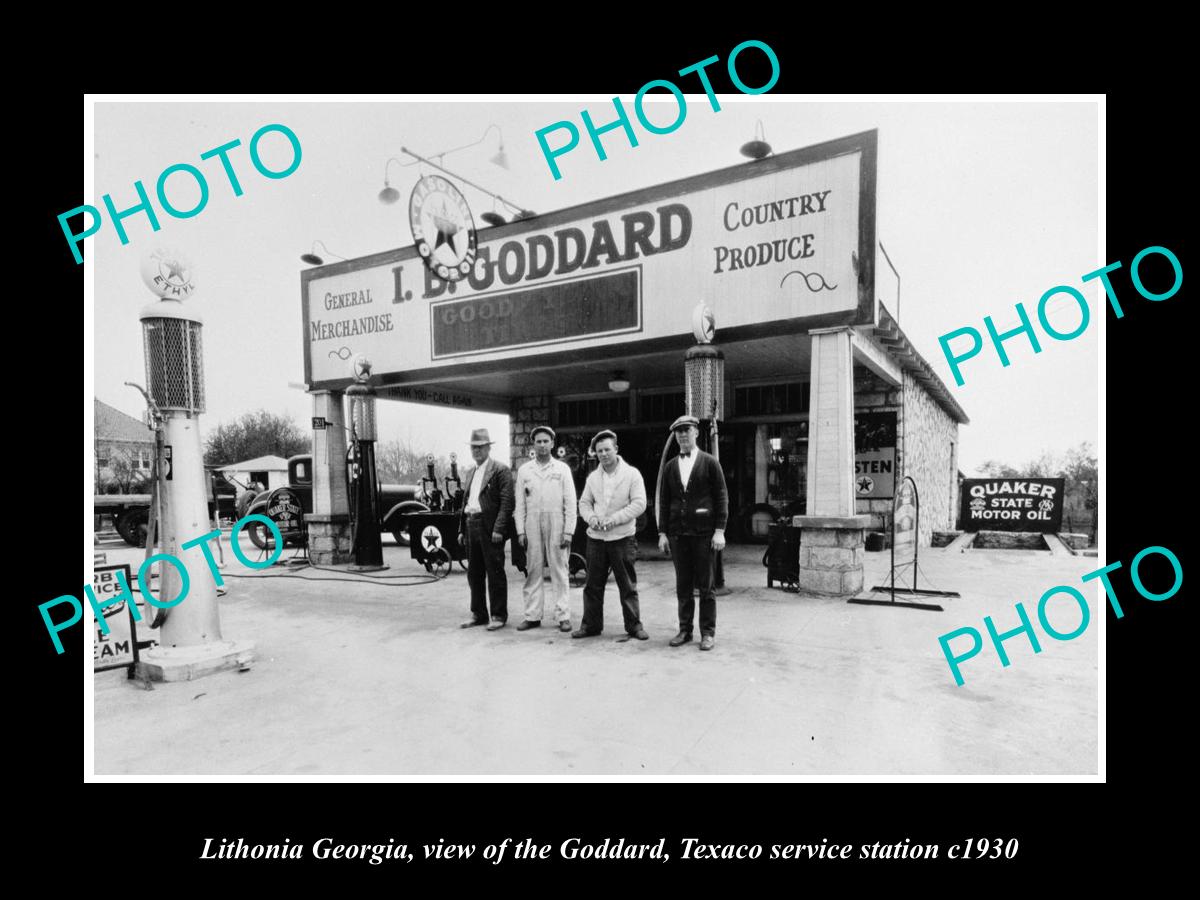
189	632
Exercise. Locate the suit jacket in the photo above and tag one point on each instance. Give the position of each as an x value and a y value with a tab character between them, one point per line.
496	498
702	507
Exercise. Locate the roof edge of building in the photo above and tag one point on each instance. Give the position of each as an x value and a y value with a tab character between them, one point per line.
899	347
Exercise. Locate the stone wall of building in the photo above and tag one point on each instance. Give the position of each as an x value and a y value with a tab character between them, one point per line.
525	415
928	451
1009	540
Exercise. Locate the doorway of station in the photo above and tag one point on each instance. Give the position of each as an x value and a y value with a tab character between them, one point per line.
764	481
639	446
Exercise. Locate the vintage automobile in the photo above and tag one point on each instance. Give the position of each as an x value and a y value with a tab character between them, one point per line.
130	513
397	501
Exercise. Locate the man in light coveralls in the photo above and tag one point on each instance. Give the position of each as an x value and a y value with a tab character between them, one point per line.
545	516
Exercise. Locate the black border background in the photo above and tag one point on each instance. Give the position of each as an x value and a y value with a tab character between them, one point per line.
1063	828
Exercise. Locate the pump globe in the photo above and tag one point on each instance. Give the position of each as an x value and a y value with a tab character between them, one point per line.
168	273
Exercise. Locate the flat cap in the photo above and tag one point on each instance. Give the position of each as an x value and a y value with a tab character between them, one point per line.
684	421
545	428
600	436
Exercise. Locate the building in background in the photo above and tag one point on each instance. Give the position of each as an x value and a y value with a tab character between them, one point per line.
269	471
124	451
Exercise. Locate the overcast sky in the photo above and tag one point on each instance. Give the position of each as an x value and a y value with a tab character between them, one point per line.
980	205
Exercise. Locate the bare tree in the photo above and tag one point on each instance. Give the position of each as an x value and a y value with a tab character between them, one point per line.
1078	469
126	477
259	433
397	462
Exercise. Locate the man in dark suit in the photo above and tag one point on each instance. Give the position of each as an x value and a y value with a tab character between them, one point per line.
486	520
692	509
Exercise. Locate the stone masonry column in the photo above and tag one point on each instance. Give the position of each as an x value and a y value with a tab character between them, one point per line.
831	535
329	522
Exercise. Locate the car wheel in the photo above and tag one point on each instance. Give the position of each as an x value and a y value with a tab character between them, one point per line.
132	527
260	536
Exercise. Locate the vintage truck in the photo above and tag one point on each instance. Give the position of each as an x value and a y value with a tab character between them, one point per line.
397	501
131	512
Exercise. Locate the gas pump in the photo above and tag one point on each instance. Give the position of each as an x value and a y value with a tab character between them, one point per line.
190	641
703	397
455	497
364	499
431	496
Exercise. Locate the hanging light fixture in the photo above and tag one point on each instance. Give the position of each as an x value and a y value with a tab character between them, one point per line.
501	158
491	217
311	257
389	194
757	148
618	384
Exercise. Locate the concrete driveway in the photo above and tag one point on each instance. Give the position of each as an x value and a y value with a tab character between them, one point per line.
371	679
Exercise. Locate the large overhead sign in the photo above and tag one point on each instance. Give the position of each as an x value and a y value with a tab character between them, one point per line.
778	245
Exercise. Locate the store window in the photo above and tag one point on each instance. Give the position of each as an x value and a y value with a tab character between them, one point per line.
771	399
787	465
608	411
660	407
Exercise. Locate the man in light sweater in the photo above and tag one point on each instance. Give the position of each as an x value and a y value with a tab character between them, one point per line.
613	497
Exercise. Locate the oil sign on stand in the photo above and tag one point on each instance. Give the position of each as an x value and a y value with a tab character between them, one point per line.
1012	504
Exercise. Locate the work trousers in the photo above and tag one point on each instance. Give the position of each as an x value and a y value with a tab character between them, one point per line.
618	556
544	533
485	566
693	558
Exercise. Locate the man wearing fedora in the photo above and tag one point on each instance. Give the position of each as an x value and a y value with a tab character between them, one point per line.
486	517
613	497
545	516
692	509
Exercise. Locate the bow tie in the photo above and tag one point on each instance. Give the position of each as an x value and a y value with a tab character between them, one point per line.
685	455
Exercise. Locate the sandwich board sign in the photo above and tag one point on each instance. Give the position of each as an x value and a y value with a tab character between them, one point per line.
906	520
119	648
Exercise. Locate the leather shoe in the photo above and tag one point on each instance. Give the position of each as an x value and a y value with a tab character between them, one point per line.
641	635
707	641
564	625
583	632
471	623
680	639
495	625
526	624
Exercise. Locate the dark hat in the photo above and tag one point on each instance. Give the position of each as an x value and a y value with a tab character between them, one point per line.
480	437
684	421
602	435
545	428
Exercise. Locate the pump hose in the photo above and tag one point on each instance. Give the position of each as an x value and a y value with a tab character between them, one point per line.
662	468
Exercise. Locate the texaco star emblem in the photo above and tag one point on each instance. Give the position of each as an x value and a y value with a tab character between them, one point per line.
431	538
442	227
173	271
865	485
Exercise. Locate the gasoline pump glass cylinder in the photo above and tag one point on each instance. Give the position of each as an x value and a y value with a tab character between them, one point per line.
704	381
174	363
362	412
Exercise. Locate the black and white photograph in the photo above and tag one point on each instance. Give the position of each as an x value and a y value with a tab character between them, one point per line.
387	396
